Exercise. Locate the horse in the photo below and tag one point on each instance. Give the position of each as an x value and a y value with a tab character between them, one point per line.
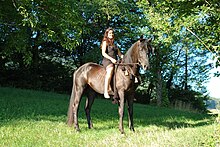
91	76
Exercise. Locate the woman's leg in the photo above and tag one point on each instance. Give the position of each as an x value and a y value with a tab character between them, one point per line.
108	76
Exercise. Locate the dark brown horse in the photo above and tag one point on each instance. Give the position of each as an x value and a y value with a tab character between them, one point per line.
91	75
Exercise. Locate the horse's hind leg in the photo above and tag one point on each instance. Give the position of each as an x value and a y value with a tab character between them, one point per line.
121	111
130	113
78	95
89	101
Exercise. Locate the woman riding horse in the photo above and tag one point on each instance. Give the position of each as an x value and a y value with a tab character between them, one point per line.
109	52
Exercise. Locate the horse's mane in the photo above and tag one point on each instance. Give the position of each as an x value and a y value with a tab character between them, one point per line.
131	54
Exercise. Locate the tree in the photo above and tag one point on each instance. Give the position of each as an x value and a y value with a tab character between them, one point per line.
171	23
36	31
68	34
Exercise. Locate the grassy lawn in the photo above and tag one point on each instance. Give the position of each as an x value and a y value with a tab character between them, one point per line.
36	118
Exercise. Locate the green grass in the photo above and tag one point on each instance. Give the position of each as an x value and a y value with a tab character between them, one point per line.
36	118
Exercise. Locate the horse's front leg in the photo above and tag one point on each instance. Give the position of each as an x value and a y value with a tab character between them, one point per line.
91	96
130	112
121	111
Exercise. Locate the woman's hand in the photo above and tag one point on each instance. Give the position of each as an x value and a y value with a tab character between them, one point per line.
113	60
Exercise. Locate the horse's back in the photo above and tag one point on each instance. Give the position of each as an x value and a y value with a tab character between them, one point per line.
90	68
92	74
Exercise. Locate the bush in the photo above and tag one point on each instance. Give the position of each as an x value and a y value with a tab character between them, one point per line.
50	76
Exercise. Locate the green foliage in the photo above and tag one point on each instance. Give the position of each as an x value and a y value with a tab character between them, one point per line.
76	26
35	118
168	17
68	34
184	34
51	76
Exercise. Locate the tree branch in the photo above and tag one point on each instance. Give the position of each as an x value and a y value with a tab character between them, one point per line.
198	38
201	42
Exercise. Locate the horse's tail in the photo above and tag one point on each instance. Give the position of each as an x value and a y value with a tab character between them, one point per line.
70	117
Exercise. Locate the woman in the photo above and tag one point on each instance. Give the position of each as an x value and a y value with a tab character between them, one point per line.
109	52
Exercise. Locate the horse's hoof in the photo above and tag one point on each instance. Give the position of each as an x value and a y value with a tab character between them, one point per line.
77	129
122	131
114	101
90	127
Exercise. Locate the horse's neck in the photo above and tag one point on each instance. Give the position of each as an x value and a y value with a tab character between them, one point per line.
132	54
132	57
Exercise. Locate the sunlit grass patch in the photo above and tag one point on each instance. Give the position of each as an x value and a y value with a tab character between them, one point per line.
35	118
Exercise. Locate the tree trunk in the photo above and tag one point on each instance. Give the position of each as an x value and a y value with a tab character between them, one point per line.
2	63
35	52
172	73
159	87
186	70
158	77
35	59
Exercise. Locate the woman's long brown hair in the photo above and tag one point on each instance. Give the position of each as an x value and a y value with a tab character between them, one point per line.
108	40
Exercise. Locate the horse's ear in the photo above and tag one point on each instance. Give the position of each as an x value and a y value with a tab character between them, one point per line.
141	38
149	40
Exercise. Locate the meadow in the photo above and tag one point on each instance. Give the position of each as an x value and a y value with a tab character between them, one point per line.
37	118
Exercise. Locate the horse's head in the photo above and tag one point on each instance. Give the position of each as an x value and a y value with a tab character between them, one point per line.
145	48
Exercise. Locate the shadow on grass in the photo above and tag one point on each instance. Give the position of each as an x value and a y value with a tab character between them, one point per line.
17	104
